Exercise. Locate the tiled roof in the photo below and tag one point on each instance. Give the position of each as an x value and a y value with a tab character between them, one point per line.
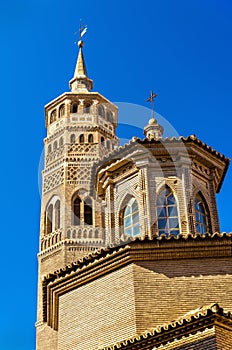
188	318
123	246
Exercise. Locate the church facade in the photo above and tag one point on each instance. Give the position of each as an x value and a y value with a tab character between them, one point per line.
131	254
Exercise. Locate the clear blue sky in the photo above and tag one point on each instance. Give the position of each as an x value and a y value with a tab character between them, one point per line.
181	49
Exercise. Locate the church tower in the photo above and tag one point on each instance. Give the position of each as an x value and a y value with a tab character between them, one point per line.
80	131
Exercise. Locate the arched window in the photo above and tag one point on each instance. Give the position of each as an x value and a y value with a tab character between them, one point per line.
131	218
53	116
87	107
72	138
100	110
88	215
90	138
74	107
49	219
55	146
109	116
76	211
57	215
61	111
49	148
167	213
201	214
61	142
102	140
82	138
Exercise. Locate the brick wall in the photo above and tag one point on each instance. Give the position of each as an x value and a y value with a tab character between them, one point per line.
166	290
99	313
223	337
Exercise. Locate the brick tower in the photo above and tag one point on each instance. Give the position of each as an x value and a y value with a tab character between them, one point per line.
80	131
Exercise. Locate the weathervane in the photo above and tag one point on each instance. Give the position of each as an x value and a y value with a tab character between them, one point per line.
82	31
151	99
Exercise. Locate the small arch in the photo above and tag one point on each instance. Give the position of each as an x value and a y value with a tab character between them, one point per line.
74	234
100	111
72	138
88	212
102	140
61	111
85	234
87	107
49	148
82	138
79	234
76	210
49	219
55	146
57	214
74	107
96	234
68	234
90	138
202	217
61	142
53	116
90	233
167	212
109	116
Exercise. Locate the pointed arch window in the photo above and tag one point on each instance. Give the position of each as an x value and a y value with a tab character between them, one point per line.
55	146
53	116
57	214
76	211
109	116
101	111
167	213
49	148
61	142
82	211
131	218
61	111
88	215
87	107
49	219
102	141
74	107
201	215
90	138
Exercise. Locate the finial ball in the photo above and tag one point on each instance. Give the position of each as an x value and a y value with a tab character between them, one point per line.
80	43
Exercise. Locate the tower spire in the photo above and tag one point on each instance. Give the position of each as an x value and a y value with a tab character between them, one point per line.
80	81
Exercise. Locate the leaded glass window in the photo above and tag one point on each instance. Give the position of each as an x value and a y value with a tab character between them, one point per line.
131	218
201	215
167	213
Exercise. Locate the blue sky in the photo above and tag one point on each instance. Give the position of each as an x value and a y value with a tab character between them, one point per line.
180	49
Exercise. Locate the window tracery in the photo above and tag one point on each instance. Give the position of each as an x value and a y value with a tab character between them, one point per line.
131	218
201	215
167	213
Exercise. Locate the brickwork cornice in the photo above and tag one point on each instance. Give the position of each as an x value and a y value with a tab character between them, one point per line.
200	322
107	260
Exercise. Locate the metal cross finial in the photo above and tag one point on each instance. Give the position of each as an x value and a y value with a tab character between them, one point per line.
151	99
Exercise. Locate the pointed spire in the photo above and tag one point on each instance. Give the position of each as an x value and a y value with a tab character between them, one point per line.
80	81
